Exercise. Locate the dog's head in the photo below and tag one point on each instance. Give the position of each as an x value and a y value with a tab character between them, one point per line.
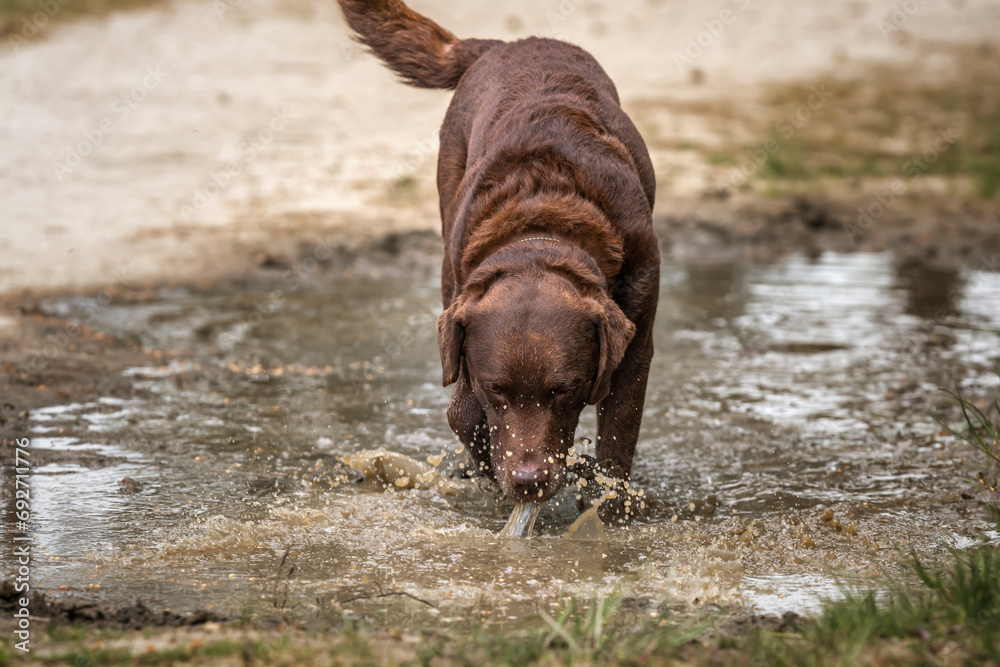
539	340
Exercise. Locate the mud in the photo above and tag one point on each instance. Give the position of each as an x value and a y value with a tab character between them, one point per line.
787	446
78	610
942	232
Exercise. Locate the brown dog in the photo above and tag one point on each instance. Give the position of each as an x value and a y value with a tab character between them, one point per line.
551	268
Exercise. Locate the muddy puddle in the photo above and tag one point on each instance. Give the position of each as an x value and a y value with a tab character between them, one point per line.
786	448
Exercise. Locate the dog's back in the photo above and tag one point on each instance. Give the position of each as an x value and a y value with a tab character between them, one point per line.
521	95
512	100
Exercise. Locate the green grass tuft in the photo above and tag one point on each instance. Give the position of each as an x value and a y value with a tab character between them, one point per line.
889	124
952	617
977	430
14	13
587	631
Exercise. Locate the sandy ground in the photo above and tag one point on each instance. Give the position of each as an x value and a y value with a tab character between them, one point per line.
182	141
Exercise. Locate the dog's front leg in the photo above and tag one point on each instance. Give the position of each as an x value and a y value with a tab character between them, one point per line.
619	414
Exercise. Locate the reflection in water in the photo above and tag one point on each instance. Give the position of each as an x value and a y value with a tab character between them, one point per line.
786	441
932	293
711	291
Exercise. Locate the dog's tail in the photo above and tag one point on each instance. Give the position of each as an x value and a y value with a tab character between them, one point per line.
423	53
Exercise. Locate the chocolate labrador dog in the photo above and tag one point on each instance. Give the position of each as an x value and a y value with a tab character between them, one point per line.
551	268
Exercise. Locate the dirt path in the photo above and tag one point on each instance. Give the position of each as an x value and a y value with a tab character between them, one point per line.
181	141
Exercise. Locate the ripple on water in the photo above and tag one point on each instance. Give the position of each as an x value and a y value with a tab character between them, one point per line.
786	446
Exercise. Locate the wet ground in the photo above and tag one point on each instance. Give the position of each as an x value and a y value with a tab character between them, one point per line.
787	443
189	439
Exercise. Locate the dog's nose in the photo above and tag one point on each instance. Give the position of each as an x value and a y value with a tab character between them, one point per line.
527	481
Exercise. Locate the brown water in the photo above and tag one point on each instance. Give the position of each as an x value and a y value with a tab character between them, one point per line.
780	393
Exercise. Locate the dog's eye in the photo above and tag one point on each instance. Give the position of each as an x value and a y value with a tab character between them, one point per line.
563	391
495	390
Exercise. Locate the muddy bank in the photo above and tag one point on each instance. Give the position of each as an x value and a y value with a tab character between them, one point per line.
716	225
50	360
78	610
941	231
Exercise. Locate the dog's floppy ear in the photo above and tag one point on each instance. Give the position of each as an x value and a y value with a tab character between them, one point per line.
614	332
451	340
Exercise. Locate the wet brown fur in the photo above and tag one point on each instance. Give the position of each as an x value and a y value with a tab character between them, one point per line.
534	144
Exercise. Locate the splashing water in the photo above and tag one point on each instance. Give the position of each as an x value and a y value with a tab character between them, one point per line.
786	444
522	520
